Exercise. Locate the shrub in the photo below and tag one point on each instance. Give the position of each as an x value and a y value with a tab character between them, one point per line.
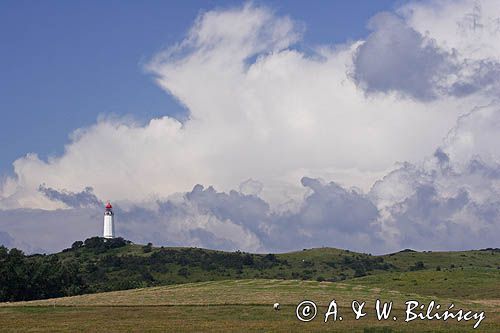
76	245
419	265
147	248
359	272
183	272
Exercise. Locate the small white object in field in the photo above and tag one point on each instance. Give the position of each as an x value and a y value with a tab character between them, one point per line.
276	306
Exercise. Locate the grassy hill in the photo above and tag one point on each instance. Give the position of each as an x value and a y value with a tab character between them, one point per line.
97	266
141	266
191	289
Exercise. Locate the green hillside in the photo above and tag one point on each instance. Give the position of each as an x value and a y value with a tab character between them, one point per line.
120	286
98	266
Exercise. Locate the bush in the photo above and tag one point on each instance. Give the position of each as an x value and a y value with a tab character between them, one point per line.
307	263
76	245
307	274
183	272
100	244
332	264
419	265
147	248
248	260
359	272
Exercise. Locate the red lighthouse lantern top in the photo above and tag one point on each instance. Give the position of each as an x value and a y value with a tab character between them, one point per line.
108	205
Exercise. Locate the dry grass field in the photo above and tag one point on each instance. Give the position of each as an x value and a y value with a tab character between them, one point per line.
232	306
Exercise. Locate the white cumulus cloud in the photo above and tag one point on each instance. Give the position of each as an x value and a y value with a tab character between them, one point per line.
262	114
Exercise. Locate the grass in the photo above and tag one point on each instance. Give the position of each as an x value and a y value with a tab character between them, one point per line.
229	292
231	300
229	306
234	318
468	284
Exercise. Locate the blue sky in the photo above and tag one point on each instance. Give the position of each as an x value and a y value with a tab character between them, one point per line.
64	63
366	125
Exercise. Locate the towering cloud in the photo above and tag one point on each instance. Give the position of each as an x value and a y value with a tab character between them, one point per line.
301	136
451	198
395	57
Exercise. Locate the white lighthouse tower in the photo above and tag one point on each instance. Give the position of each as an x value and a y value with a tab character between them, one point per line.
109	224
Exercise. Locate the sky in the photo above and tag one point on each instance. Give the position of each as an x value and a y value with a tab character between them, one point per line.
67	63
260	126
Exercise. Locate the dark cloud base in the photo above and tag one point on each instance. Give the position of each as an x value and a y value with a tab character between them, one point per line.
330	215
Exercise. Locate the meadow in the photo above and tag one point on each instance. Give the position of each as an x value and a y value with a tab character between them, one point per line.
236	296
234	306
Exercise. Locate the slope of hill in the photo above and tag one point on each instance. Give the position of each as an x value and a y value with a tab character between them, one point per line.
98	266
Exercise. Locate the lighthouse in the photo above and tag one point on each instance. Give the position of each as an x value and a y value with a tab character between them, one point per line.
109	224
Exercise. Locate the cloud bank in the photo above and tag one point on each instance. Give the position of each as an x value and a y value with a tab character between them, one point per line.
373	145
